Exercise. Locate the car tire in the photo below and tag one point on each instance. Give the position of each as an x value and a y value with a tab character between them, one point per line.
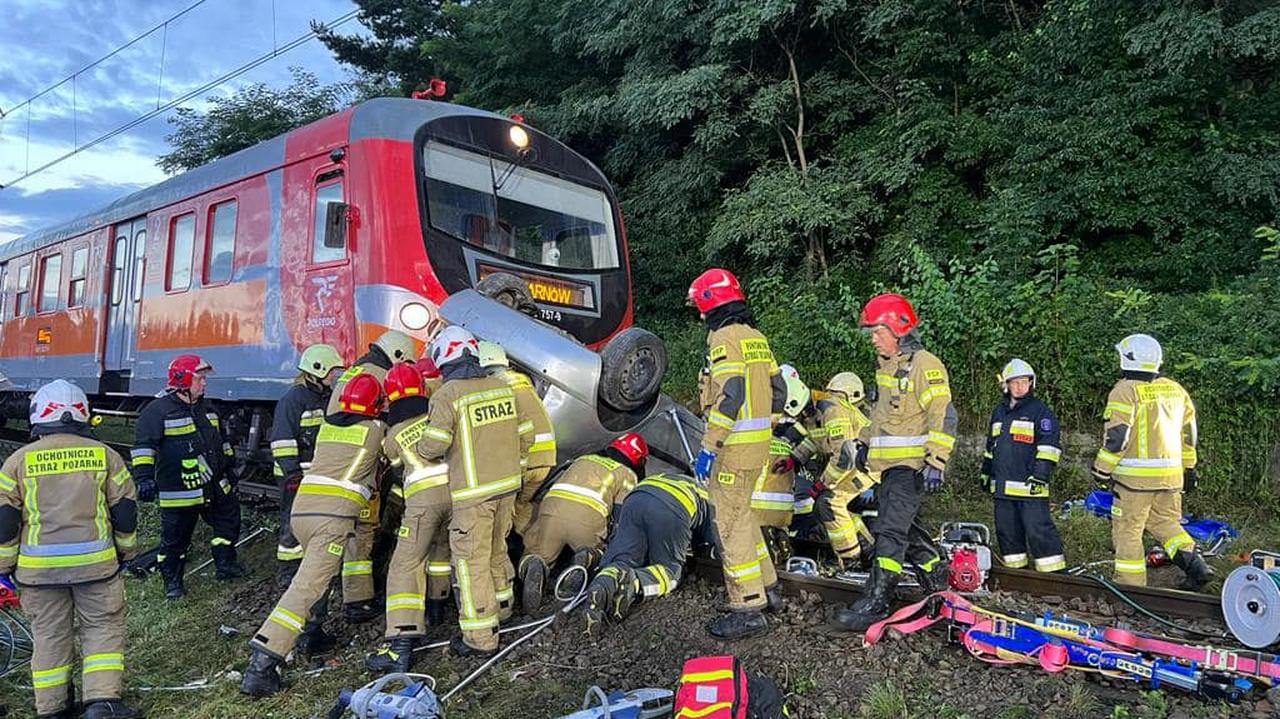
633	364
509	290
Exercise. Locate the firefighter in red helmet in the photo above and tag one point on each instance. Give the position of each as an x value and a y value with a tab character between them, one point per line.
576	512
741	390
908	442
181	457
342	479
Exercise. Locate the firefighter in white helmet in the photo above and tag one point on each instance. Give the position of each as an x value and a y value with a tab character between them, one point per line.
68	514
1023	448
1148	455
773	498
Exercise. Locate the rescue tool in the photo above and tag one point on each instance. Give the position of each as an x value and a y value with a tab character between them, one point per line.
1251	600
648	703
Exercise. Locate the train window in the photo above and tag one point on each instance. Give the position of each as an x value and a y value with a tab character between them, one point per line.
325	195
24	286
220	244
50	282
139	263
119	257
79	275
182	239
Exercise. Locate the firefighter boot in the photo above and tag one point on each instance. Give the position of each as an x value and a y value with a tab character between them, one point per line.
1197	570
395	655
171	570
779	543
934	579
285	570
462	649
574	579
314	641
777	603
874	604
226	565
361	612
533	575
435	612
110	709
262	676
739	625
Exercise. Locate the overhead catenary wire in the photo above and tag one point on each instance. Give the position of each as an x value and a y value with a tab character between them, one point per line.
231	75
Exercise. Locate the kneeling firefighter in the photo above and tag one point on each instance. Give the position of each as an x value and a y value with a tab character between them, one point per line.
342	478
645	557
1023	447
72	502
576	511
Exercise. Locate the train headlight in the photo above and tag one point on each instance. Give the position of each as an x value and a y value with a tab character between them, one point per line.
415	316
518	136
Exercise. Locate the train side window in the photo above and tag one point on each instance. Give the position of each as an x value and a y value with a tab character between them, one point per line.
220	243
119	256
50	282
139	264
182	240
23	290
79	276
321	252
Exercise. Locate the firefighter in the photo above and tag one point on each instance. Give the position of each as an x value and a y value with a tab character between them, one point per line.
542	454
839	423
477	427
908	442
1023	448
773	498
740	389
68	513
342	479
181	458
418	575
656	528
293	440
1149	454
390	348
576	511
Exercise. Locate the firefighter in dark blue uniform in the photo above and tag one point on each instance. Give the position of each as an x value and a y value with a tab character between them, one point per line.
181	458
1023	447
295	423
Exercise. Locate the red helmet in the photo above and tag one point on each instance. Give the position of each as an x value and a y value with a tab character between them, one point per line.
713	288
428	368
361	395
892	311
185	367
632	446
404	380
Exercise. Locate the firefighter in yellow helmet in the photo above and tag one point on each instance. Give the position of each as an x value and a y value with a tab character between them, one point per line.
479	429
773	498
342	479
68	513
1148	454
741	390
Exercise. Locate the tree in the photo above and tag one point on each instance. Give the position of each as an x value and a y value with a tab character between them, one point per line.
395	53
249	116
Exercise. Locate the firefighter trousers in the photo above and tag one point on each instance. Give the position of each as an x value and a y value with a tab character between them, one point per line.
1024	527
1158	512
564	523
525	509
323	542
357	557
652	538
898	498
288	550
747	566
414	574
96	610
476	535
844	531
220	510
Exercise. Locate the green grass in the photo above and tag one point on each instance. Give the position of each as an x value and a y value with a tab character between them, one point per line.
885	700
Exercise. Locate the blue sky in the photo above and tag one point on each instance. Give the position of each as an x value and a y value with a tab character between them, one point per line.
43	41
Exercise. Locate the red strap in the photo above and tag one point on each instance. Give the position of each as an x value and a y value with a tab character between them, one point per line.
949	605
1254	663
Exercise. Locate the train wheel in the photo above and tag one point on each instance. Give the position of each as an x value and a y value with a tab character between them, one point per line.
632	366
509	290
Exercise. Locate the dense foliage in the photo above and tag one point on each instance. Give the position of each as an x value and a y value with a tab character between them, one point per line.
1040	177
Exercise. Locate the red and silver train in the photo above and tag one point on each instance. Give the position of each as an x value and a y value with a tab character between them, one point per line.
359	222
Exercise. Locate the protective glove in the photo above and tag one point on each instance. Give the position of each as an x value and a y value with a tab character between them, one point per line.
1189	479
291	482
1038	486
784	465
822	495
987	483
146	490
1100	478
933	478
702	465
860	455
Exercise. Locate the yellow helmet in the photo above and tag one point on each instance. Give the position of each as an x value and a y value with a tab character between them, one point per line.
492	354
847	384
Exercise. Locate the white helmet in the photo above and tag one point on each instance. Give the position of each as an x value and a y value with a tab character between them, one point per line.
452	344
59	401
491	354
319	360
1140	353
847	384
1016	368
797	391
398	346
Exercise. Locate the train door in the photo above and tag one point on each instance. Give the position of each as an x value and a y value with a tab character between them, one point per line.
127	271
328	284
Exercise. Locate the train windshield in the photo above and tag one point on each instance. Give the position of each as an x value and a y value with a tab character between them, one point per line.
516	212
